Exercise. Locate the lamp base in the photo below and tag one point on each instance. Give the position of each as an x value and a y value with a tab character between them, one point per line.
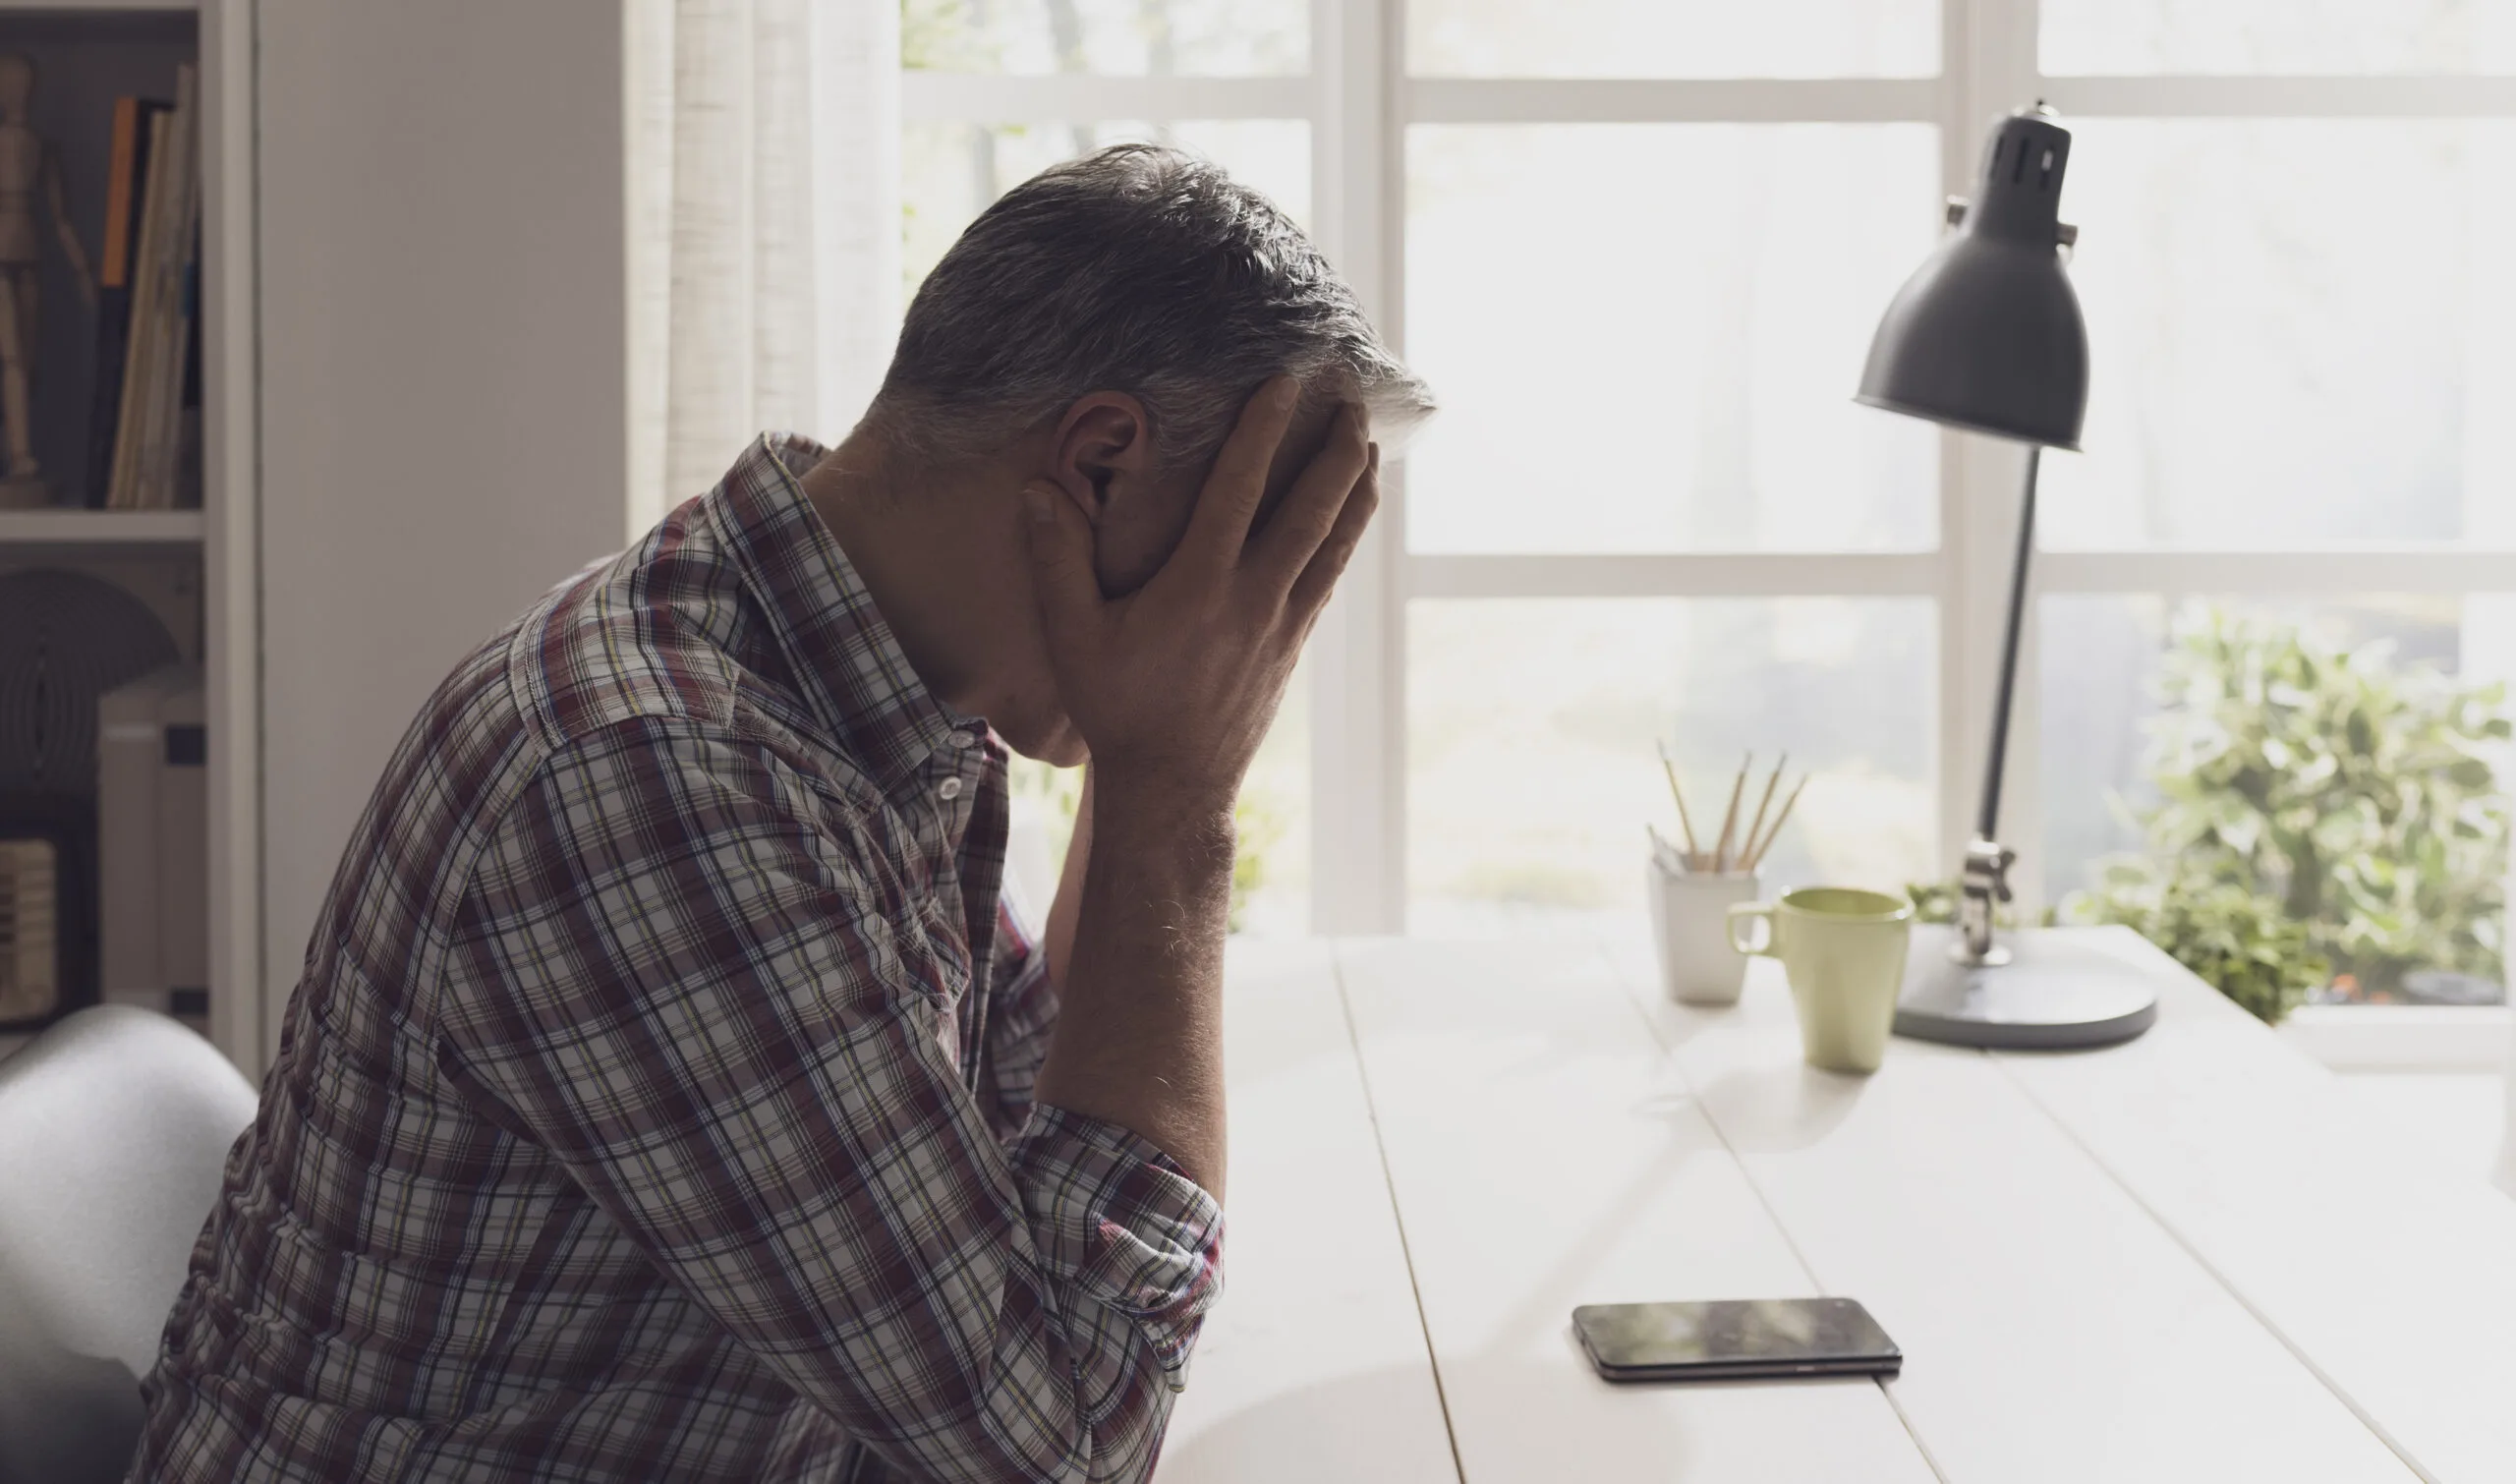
2053	994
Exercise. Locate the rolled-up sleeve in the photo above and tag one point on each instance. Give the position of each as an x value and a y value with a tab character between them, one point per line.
1129	1228
1022	1013
693	977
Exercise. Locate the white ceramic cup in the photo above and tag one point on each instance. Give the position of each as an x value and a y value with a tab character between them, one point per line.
1691	923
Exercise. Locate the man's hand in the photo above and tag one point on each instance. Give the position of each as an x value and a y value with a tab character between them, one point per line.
1173	686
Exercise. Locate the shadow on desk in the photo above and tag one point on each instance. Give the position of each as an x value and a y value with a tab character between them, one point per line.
1323	1431
1343	1429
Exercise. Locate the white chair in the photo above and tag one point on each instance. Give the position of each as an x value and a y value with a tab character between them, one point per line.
114	1129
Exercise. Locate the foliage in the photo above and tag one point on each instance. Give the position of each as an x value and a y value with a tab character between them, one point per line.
1531	884
1258	826
1057	792
2239	941
939	35
2318	804
1933	901
1936	902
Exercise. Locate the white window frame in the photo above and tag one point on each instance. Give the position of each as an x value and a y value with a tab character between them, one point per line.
1359	102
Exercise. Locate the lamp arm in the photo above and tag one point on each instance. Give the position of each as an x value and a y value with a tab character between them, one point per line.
1985	879
1987	825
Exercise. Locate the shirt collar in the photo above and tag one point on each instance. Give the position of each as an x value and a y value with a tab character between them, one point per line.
845	660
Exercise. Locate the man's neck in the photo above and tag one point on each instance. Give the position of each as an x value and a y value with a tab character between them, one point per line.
926	551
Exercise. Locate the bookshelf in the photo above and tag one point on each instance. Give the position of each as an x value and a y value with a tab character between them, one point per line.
196	567
94	9
32	532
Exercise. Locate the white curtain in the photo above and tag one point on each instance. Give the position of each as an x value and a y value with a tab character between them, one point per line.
765	226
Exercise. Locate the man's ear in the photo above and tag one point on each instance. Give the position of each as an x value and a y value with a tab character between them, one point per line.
1102	452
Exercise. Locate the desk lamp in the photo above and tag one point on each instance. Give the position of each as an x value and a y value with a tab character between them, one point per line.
1986	337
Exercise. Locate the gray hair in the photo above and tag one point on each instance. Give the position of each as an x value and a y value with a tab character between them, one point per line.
1140	270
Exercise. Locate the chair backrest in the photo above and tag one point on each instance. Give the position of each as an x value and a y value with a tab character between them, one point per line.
114	1130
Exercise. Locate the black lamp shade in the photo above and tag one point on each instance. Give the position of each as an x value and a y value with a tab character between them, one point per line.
1987	335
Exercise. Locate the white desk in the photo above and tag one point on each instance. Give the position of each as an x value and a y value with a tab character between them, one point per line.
1313	1368
2177	1259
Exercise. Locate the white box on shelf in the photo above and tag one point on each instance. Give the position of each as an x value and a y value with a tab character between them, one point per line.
152	826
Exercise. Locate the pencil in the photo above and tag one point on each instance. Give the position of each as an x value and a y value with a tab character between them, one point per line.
1679	794
1730	820
1663	853
1758	822
1794	798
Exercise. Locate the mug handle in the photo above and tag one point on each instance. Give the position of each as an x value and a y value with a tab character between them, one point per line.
1747	912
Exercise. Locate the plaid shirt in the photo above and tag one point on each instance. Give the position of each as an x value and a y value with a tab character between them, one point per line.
655	1102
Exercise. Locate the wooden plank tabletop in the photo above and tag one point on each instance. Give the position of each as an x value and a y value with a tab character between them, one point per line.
1313	1367
2052	1329
2178	1259
2394	1282
1542	1159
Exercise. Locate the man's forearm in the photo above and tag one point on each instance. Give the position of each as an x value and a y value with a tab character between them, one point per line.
1139	1033
1172	687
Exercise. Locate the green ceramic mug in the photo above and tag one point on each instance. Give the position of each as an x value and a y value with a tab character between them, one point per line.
1842	951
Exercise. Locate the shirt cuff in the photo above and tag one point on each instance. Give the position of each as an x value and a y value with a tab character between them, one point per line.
1121	1223
1023	1012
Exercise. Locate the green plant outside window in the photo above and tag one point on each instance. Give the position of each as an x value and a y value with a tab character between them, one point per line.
2326	820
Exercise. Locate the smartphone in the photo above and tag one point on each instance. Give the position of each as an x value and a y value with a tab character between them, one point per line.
1735	1340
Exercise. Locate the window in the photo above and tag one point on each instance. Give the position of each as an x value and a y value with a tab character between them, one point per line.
995	91
1639	246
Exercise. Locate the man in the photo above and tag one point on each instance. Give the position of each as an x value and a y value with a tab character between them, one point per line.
668	1094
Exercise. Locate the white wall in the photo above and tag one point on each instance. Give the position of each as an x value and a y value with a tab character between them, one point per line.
444	396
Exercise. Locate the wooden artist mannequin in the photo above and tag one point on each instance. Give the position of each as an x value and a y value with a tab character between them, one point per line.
24	168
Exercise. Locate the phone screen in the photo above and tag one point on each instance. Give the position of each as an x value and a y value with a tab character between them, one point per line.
1776	1334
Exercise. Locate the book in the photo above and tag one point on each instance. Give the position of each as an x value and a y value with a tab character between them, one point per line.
162	436
190	453
144	454
124	480
113	299
123	187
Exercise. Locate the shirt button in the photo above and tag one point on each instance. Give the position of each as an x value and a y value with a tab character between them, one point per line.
965	738
951	789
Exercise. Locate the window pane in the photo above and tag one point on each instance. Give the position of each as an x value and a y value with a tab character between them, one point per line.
1530	729
950	172
1271	873
1673	39
2340	741
1134	38
1646	337
2326	37
1271	869
2300	335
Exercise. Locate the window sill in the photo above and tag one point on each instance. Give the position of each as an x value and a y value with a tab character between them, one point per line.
2403	1038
